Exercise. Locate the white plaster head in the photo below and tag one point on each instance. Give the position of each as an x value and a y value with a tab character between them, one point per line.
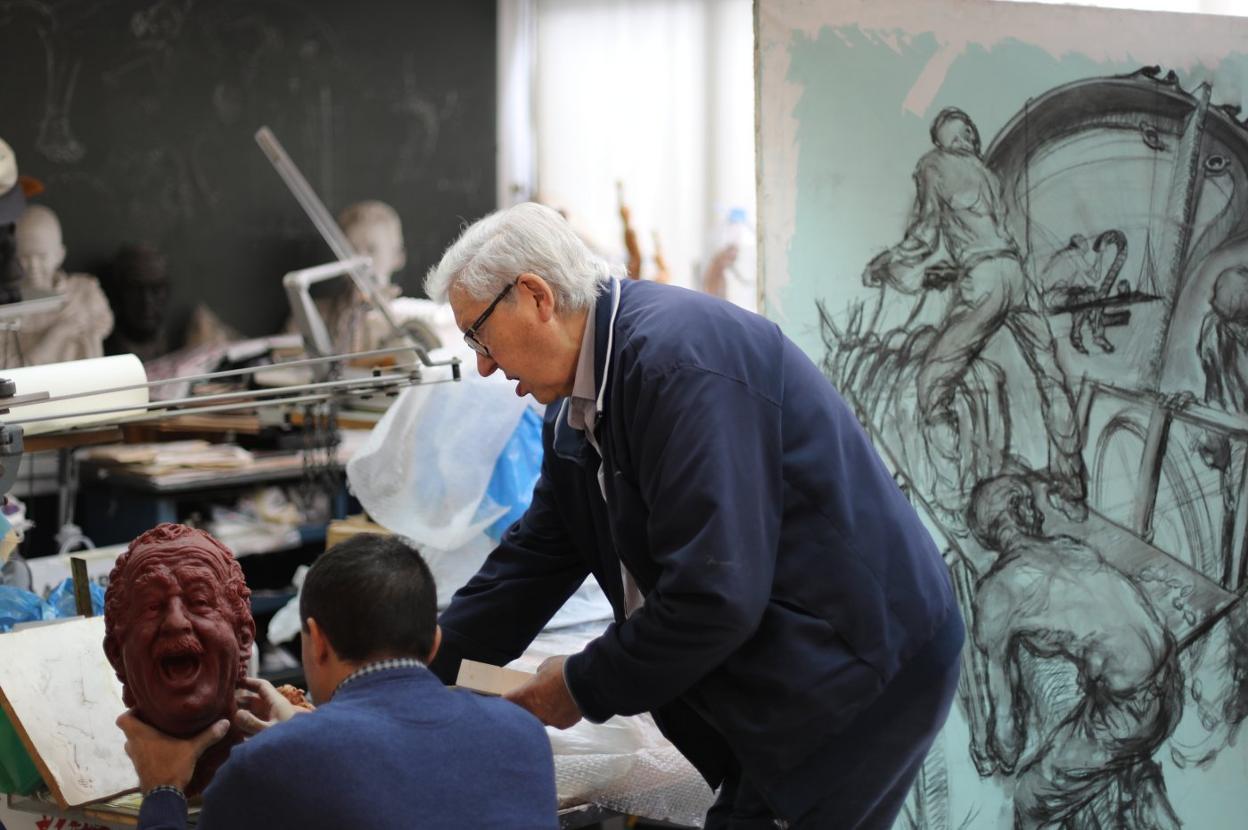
8	167
374	230
40	248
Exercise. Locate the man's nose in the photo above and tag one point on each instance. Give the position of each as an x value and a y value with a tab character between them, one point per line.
176	619
485	365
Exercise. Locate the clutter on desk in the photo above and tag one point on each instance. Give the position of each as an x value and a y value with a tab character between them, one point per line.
266	519
156	459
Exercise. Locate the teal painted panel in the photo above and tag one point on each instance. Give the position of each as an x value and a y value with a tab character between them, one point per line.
1025	264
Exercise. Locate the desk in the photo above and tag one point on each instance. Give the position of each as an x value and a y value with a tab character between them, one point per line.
116	504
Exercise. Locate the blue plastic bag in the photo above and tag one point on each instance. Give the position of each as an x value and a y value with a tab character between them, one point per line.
515	473
18	606
64	605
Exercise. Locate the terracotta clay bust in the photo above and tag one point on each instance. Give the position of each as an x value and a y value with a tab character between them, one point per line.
178	632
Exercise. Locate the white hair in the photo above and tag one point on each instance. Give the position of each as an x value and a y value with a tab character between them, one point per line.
525	238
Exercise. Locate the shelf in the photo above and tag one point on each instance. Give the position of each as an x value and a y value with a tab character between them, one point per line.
269	602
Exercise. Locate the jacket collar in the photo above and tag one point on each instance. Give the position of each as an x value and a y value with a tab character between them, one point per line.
570	443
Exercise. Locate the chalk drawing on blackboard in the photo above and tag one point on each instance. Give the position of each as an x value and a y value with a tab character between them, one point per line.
421	126
55	139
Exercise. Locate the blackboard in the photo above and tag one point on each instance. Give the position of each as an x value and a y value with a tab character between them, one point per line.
139	116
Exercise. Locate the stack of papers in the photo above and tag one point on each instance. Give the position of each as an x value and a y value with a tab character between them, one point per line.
160	458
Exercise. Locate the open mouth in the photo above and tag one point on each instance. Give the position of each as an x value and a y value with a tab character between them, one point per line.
179	669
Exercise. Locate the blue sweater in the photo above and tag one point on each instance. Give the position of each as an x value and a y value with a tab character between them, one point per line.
392	749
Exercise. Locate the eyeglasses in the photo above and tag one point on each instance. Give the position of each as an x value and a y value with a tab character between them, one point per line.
470	334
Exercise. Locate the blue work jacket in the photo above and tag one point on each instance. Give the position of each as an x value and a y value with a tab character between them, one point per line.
786	577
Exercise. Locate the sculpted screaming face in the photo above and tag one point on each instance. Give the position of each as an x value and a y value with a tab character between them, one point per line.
178	628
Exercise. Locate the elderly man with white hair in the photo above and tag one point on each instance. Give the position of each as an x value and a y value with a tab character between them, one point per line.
779	607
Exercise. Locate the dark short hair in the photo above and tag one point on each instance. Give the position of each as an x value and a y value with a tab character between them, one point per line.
373	596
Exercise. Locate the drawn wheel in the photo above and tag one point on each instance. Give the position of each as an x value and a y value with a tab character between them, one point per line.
1185	529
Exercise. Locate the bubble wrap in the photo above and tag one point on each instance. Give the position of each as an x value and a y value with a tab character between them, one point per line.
628	766
624	764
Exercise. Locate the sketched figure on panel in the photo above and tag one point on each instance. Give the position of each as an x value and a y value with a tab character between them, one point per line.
1223	351
957	237
1073	278
1055	597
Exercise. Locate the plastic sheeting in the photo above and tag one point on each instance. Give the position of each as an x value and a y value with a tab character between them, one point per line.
624	764
424	471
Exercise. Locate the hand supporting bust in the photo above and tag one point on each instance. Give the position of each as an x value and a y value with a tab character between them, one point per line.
260	706
161	760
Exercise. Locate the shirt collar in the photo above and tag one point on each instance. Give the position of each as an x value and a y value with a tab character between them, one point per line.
380	665
583	402
583	386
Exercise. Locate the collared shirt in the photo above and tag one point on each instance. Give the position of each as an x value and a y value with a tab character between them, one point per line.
583	404
380	665
583	416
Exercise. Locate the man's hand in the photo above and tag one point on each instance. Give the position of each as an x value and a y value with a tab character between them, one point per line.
161	760
547	696
260	706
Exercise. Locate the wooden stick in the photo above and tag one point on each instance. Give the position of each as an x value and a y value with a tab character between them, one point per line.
82	585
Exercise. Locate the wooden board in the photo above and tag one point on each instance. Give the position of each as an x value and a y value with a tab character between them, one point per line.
63	698
489	680
342	529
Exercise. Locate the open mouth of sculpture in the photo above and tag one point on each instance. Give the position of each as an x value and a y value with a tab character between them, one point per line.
180	668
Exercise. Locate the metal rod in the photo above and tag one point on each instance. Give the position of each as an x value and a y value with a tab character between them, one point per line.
228	373
332	234
276	393
231	407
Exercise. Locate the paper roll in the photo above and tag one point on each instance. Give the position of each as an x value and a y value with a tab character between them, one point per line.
71	378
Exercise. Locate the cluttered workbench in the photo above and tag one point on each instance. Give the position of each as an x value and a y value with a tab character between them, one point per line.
622	767
62	759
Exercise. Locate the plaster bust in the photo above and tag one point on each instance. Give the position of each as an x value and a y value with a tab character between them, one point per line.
40	247
374	230
12	203
77	329
178	632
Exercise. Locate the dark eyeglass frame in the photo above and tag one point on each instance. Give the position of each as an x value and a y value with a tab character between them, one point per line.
470	333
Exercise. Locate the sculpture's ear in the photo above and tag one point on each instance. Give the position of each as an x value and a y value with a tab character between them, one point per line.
246	632
112	650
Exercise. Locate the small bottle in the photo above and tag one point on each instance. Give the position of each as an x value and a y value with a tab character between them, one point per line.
737	243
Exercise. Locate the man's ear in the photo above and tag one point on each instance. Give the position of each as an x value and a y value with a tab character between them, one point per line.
437	643
321	649
534	289
401	259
